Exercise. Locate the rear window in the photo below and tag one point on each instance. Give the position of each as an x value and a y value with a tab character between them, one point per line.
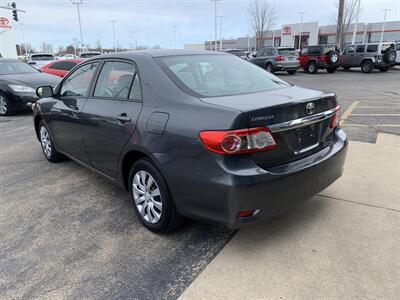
218	75
42	57
287	51
87	55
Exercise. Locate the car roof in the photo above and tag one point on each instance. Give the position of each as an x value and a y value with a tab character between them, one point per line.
155	53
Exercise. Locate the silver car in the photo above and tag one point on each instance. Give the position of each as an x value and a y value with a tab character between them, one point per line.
275	59
39	60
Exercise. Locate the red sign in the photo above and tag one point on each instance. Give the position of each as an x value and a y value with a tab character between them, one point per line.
287	30
4	23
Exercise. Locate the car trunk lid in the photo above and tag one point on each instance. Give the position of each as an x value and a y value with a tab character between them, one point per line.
298	118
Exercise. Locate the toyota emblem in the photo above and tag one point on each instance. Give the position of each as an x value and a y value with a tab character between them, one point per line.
310	107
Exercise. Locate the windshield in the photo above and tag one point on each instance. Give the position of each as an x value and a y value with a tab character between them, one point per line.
15	67
218	75
287	51
42	57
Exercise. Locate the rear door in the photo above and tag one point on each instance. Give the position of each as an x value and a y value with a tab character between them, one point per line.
359	55
110	114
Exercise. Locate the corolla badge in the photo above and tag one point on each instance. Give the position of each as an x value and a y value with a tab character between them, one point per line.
310	107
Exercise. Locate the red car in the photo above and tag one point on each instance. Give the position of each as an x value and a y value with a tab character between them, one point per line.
60	67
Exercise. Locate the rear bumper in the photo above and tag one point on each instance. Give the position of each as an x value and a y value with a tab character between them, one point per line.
289	66
244	186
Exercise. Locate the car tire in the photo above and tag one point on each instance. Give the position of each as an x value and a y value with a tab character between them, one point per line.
333	57
47	144
151	199
384	69
292	72
312	67
5	107
366	66
269	68
390	56
331	70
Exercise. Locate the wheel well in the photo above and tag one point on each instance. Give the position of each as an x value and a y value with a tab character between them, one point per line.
37	121
129	159
367	59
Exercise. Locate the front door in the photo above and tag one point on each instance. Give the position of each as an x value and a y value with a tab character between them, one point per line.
110	114
65	113
348	56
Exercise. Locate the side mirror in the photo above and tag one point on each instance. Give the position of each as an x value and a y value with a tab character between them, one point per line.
44	91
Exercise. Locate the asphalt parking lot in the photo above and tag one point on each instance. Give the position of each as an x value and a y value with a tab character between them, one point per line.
67	233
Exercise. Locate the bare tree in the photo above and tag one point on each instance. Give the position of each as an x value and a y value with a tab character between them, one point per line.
262	15
46	47
349	16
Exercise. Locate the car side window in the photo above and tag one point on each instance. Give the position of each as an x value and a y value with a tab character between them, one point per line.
304	51
372	48
349	49
360	49
115	80
78	83
63	65
270	52
314	51
136	89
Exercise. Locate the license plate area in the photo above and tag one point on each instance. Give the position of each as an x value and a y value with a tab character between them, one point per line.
303	139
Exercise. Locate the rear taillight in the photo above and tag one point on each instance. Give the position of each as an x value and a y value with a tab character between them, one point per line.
280	58
233	142
335	118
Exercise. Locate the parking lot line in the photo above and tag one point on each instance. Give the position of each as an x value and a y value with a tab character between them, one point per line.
348	111
372	125
379	115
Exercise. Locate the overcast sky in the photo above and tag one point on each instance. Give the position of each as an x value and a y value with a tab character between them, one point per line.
152	21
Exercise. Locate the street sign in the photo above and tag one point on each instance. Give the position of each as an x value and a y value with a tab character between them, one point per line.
4	23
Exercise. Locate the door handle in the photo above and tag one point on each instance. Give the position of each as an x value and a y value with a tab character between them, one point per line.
123	118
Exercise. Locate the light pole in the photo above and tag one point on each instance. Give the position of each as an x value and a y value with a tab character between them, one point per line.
75	46
113	26
23	37
77	3
215	24
131	32
220	31
353	40
384	22
301	13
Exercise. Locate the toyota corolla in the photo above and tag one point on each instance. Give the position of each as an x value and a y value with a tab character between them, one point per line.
202	135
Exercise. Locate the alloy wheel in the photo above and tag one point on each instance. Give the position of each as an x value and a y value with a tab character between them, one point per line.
3	105
147	197
334	58
45	141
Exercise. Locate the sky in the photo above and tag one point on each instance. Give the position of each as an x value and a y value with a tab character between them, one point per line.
152	22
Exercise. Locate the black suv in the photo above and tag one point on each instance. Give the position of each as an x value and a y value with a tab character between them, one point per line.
369	56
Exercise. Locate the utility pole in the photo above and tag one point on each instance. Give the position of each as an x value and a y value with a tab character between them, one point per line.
384	23
77	3
75	46
215	24
301	13
113	26
23	38
353	40
220	31
339	29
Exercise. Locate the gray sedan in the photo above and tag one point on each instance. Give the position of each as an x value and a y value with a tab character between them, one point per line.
202	135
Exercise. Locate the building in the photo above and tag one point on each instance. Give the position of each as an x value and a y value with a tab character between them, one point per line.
7	39
313	34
